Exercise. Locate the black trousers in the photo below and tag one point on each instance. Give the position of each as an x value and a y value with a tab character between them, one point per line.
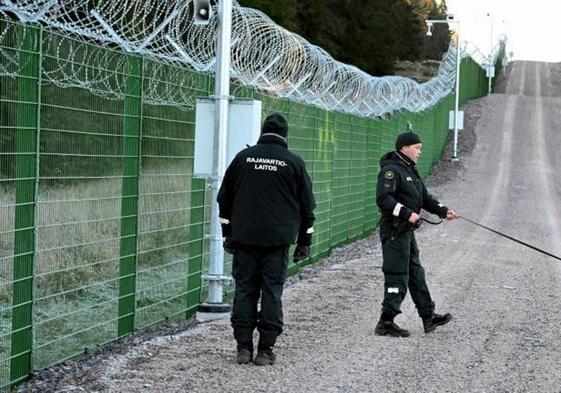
402	270
259	272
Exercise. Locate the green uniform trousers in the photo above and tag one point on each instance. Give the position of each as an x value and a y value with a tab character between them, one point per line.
260	273
402	270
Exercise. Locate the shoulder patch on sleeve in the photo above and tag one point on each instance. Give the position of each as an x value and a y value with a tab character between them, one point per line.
389	175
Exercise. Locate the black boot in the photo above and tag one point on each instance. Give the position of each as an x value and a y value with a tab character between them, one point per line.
245	353
436	320
264	358
389	328
265	355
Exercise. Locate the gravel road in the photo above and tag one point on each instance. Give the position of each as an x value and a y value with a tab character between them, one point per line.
505	298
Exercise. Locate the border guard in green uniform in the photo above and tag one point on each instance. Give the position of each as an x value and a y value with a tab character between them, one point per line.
401	194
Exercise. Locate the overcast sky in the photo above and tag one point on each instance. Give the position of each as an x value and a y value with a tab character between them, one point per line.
533	27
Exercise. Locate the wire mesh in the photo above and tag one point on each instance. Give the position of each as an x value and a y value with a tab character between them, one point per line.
165	221
8	132
78	225
342	154
321	174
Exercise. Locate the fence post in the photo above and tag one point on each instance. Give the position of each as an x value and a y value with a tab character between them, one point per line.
196	232
130	192
27	161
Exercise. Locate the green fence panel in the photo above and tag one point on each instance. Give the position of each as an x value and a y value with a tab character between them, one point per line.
129	204
166	267
25	189
322	168
78	219
466	79
9	92
498	67
301	137
271	104
342	153
426	134
196	234
435	131
357	177
447	106
390	129
464	86
373	154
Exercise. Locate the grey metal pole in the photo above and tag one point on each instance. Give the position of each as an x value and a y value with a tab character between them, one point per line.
215	276
490	55
449	20
457	93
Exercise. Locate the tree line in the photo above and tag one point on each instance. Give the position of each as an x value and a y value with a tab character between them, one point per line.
370	34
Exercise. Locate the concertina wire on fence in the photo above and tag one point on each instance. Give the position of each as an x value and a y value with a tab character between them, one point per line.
263	55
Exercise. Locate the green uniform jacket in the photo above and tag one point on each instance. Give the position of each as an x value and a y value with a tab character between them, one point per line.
401	190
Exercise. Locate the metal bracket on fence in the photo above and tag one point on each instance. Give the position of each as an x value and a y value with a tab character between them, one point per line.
43	10
215	97
324	92
371	110
158	29
338	102
262	72
212	182
118	39
14	9
209	65
180	50
296	86
210	237
217	277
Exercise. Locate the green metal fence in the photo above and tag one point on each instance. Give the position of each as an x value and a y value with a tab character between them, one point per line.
102	224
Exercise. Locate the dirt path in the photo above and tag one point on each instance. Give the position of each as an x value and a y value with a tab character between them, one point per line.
506	299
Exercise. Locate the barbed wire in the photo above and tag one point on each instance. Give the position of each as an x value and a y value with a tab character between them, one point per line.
482	59
263	55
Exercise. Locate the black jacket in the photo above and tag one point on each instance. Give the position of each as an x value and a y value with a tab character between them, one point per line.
399	182
266	196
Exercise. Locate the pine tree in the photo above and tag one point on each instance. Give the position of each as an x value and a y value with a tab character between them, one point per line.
370	34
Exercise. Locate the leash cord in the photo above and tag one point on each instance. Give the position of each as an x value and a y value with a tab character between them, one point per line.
511	238
431	222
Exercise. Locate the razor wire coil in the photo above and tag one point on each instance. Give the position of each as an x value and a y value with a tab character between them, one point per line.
263	55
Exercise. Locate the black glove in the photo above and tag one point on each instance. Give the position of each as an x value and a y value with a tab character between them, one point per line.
300	253
229	245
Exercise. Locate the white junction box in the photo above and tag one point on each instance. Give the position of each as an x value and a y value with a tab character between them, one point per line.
244	128
460	120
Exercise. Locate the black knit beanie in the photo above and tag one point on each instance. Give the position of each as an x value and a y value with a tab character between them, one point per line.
276	124
406	139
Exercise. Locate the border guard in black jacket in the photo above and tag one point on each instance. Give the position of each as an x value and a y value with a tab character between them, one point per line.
401	194
266	203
